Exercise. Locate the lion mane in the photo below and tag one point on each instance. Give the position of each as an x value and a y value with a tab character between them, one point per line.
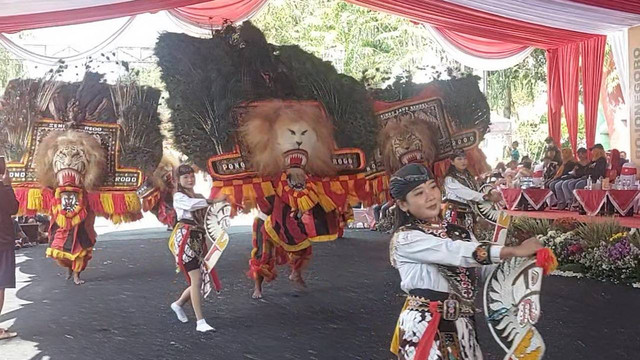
166	166
259	134
426	132
93	151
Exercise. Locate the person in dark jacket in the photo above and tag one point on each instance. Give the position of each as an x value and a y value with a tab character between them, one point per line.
566	167
578	171
7	242
596	169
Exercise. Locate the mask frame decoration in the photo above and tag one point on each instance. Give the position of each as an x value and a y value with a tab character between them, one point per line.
235	164
116	177
512	307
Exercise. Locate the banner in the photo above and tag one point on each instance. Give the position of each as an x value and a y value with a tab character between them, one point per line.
634	94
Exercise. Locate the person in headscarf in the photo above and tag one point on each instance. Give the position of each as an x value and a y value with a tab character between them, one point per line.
188	245
461	191
435	261
568	163
615	165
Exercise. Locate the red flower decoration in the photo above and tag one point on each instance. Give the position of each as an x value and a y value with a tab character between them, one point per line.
546	260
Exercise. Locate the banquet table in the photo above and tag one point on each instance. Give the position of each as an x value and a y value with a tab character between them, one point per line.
535	197
593	200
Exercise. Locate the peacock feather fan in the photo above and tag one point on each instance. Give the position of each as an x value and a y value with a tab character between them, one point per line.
207	78
136	108
133	107
464	103
20	107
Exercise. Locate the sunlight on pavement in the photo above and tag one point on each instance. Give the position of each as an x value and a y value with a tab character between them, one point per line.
17	348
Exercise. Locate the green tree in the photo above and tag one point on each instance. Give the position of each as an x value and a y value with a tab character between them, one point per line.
511	88
359	42
10	68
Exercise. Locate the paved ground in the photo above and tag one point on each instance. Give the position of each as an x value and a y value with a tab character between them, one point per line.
348	312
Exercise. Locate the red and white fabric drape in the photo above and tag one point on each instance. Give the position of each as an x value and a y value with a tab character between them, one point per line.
213	14
499	20
477	52
498	30
18	15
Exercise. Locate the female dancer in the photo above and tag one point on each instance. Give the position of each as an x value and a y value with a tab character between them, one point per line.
434	261
461	191
188	244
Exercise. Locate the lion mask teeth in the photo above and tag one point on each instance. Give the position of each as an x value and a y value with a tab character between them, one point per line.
411	157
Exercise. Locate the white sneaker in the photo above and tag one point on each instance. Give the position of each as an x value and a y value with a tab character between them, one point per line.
202	326
179	312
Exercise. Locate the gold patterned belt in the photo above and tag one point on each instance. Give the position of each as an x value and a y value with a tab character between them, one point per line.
451	309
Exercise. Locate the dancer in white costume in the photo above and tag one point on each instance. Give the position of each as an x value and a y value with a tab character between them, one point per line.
435	261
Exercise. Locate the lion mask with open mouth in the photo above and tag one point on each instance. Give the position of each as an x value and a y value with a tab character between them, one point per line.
70	158
279	136
408	140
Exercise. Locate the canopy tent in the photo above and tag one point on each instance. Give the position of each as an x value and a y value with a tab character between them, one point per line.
491	34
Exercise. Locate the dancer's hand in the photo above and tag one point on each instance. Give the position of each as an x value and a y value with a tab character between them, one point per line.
528	248
6	179
220	198
495	196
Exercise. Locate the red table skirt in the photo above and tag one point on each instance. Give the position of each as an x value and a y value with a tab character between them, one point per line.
623	200
534	196
591	200
511	197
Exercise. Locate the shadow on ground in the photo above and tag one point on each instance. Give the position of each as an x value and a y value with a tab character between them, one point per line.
348	312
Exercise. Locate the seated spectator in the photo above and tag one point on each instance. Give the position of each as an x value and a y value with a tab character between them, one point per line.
583	157
552	150
595	170
550	167
623	157
20	237
538	173
569	162
524	176
511	171
614	165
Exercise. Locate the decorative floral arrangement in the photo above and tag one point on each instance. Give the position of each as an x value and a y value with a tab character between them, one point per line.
616	258
565	224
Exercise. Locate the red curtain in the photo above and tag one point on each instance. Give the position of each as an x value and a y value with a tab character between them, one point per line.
469	21
214	13
592	60
562	46
15	23
629	6
569	59
554	96
482	47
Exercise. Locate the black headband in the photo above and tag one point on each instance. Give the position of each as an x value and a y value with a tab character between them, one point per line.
408	178
457	153
184	170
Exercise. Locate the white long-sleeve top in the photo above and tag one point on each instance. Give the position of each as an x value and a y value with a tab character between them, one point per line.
417	255
184	205
455	191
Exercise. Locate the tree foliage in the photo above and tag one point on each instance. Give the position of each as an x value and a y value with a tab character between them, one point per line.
359	42
10	68
203	93
511	88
